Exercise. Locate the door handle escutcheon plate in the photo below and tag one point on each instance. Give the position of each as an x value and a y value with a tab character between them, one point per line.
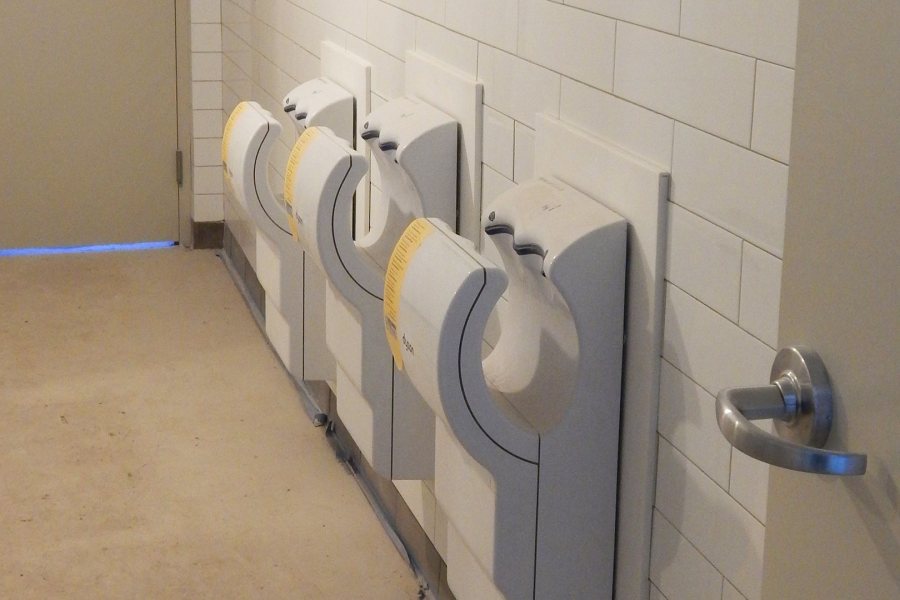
799	399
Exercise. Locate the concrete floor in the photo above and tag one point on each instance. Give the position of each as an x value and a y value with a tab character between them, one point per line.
151	446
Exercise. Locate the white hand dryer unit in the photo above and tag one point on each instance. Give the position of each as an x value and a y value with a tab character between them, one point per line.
415	146
321	102
291	303
539	414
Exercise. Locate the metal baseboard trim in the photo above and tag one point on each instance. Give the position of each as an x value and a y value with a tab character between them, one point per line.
404	529
207	235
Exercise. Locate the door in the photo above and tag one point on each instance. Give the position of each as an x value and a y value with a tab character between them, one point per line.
88	122
831	537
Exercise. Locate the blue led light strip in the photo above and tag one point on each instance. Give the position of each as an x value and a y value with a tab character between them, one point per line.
85	249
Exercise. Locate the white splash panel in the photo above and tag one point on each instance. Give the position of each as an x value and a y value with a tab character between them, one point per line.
637	190
354	74
461	97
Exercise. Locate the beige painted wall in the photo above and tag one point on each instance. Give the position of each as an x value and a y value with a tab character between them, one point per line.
90	122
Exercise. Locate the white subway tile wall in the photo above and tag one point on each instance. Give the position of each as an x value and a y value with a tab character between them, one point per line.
524	159
493	184
207	152
710	349
493	22
578	43
448	46
687	420
206	95
765	29
745	472
391	29
517	87
205	11
702	88
697	84
723	531
744	192
206	37
655	14
705	261
679	568
499	136
772	111
206	66
655	594
207	75
208	124
760	294
208	180
729	592
208	207
642	131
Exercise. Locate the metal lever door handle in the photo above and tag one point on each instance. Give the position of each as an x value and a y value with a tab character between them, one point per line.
799	400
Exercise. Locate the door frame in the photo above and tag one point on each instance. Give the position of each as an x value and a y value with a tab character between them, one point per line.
184	117
832	536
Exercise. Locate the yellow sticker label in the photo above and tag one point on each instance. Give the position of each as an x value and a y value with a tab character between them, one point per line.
290	173
229	126
295	227
406	247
